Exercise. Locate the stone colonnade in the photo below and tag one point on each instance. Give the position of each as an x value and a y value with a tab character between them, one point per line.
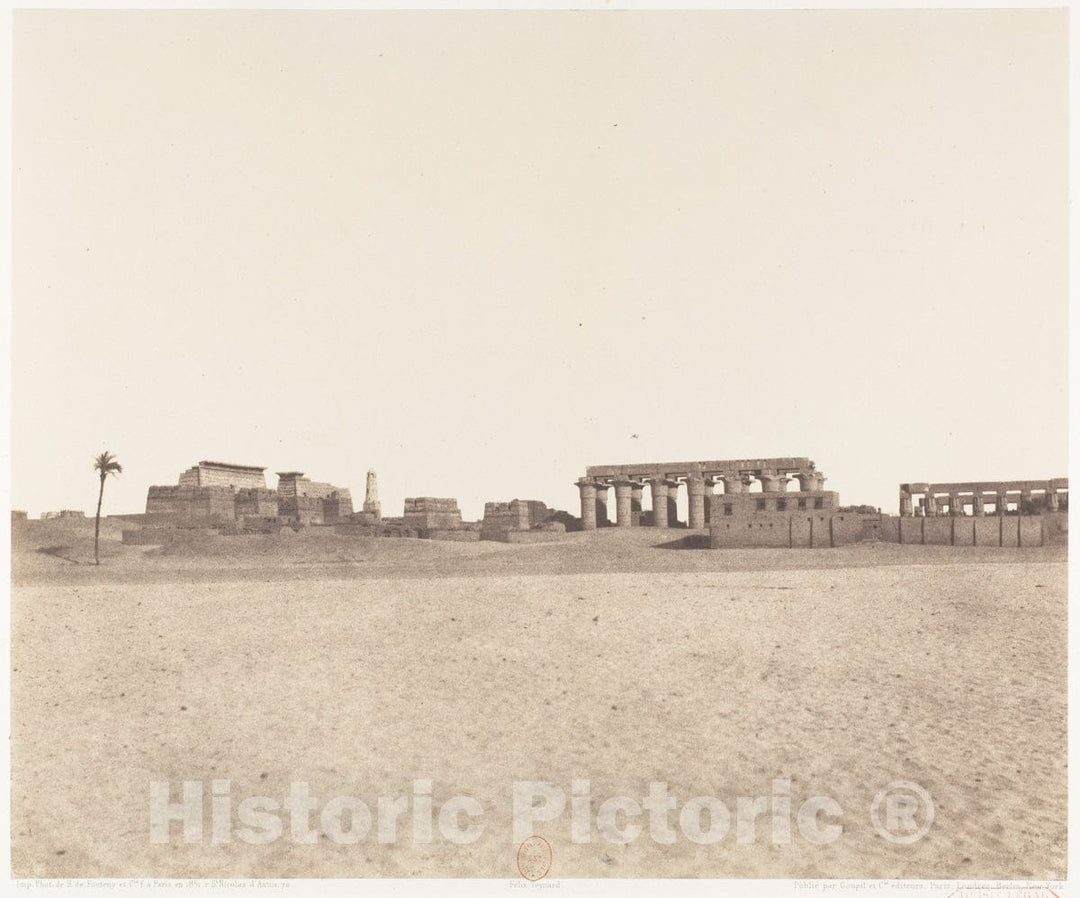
664	489
953	499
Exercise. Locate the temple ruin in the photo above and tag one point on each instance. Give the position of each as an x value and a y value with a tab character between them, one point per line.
213	492
430	513
1004	513
748	484
512	521
750	503
747	502
984	497
303	501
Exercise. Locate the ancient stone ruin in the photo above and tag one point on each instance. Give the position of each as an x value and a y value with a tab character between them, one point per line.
211	491
984	497
371	498
304	502
749	502
519	520
216	494
736	478
1006	513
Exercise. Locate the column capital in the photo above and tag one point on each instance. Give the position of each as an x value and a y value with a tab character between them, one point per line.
770	481
735	482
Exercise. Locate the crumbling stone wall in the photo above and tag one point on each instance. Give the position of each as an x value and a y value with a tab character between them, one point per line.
310	501
517	515
194	503
256	503
429	513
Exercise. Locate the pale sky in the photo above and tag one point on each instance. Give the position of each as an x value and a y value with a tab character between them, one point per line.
478	251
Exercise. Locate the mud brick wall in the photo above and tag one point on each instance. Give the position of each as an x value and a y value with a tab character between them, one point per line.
515	515
1006	531
428	513
337	507
192	503
783	530
259	503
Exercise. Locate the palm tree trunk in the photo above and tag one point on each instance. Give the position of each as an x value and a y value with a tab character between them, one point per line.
97	519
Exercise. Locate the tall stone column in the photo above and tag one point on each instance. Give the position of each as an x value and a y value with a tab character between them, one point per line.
673	503
955	508
695	491
601	504
659	488
806	481
1001	504
710	496
623	503
1052	503
817	481
977	507
931	504
636	489
588	503
905	505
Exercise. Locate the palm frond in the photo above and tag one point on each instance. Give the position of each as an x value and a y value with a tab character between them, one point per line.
106	464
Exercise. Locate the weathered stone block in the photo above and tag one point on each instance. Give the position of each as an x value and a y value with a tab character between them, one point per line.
963	531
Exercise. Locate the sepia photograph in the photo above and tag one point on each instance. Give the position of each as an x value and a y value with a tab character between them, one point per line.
539	448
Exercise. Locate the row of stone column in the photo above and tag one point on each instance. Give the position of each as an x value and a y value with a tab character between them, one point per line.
931	506
628	494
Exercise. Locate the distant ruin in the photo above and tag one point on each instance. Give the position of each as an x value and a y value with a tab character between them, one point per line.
778	502
303	501
747	503
1006	513
429	513
519	520
984	497
63	513
212	491
218	497
736	477
219	493
372	507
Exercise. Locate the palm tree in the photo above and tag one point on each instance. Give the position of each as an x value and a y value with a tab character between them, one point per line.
105	464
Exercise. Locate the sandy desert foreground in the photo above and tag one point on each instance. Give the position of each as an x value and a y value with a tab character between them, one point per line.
363	666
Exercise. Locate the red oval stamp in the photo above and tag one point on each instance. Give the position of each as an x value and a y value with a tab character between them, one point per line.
534	858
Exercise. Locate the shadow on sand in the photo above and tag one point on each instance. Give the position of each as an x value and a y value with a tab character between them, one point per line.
58	552
690	541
